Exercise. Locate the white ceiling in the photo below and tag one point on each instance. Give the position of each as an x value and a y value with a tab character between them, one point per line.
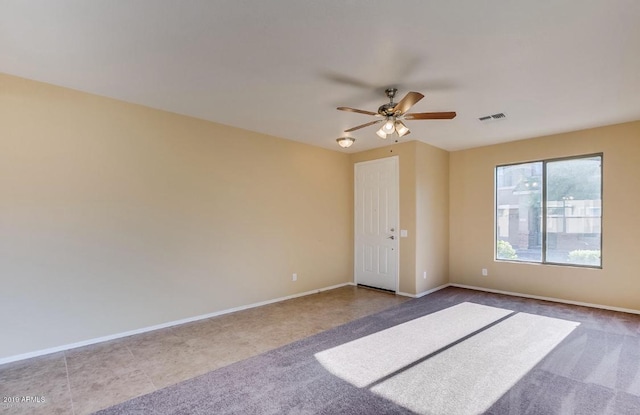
281	67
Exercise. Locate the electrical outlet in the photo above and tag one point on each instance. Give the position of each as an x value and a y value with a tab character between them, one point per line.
294	277
424	275
485	272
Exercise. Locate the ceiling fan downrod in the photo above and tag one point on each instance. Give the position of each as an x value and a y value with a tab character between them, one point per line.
391	93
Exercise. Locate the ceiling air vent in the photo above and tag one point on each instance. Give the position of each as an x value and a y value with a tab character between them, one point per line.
497	116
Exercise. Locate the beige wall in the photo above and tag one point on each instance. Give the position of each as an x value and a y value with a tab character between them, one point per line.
472	219
432	217
115	217
423	212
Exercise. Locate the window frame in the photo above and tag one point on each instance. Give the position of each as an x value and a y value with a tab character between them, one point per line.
544	162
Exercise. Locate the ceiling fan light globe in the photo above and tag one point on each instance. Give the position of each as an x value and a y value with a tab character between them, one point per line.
404	133
381	133
389	127
401	129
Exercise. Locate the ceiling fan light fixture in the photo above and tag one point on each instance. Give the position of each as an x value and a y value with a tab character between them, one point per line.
401	129
381	133
345	142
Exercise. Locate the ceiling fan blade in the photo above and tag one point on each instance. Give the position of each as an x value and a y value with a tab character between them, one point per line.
347	80
430	116
407	102
362	126
356	110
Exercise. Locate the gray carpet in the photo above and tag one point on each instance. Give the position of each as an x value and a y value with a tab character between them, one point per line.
581	361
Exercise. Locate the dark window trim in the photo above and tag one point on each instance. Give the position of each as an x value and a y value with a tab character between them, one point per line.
544	162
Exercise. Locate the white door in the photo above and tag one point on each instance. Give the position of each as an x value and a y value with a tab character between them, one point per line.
376	223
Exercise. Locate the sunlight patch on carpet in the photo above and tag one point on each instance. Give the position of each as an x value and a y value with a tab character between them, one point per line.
472	375
369	359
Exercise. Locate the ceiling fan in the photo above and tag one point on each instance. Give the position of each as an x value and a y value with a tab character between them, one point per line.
393	114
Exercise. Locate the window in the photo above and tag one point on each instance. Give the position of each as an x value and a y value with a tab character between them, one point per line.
550	211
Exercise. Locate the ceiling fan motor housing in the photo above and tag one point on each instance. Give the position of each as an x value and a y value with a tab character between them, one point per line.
387	110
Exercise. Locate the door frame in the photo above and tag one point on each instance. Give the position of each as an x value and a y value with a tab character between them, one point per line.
396	171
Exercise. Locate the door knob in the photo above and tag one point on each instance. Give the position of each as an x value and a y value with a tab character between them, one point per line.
391	237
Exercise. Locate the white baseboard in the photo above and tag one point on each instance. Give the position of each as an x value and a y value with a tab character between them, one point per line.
61	348
57	349
555	300
423	293
405	294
